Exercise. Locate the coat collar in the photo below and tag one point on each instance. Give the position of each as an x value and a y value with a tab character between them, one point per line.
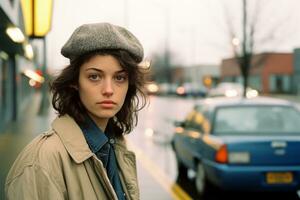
72	138
74	141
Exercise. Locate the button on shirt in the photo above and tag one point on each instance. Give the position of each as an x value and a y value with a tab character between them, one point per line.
102	146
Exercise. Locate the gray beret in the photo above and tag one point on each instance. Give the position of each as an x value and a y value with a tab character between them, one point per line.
99	36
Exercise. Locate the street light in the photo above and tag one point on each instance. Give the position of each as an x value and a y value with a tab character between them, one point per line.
37	17
235	41
15	34
28	51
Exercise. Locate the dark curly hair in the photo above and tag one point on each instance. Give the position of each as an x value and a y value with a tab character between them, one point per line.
66	98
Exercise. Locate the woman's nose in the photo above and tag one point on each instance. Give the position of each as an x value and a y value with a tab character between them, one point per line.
107	88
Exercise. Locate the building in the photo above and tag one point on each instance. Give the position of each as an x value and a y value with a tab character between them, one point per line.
296	79
17	63
269	72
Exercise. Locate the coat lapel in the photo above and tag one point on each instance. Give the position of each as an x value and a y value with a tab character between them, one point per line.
73	139
127	165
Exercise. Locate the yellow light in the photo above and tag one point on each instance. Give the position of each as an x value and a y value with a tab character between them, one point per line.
34	76
199	118
42	19
15	34
28	51
27	14
42	13
207	81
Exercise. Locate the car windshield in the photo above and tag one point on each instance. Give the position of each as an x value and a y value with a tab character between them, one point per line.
257	120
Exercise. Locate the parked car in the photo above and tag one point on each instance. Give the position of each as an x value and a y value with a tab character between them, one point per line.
192	90
228	89
240	144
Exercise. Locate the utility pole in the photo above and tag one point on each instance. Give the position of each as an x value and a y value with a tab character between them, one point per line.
245	59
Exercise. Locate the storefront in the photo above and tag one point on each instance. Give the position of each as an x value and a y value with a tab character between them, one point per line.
269	72
12	62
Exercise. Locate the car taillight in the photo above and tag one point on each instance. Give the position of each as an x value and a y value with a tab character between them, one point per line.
222	154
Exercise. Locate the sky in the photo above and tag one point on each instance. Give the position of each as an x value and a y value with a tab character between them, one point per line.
195	31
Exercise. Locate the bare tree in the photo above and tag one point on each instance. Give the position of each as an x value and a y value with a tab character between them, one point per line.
251	37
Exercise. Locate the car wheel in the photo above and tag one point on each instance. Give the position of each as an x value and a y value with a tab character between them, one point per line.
201	183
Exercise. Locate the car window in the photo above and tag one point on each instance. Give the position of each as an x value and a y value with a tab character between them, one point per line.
257	120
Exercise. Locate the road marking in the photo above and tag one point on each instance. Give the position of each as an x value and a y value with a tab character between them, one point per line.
173	189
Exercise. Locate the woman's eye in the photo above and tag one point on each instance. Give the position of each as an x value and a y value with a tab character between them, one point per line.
94	77
121	78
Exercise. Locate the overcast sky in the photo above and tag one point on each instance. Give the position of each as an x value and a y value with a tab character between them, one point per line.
195	31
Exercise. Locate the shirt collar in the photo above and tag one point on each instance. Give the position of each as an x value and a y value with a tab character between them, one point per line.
94	136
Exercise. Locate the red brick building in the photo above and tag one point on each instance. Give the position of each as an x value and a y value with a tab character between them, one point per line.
269	72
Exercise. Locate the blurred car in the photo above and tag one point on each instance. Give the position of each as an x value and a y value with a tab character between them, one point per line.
240	144
192	90
228	89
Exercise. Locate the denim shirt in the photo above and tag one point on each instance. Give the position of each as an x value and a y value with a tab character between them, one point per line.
98	143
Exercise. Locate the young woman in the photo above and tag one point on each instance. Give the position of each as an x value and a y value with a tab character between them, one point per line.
84	155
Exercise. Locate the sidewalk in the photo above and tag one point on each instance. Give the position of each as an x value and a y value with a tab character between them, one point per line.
293	98
20	133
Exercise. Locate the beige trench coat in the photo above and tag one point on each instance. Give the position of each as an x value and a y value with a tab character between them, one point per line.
59	165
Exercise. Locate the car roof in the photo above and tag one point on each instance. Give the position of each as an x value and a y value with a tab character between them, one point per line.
242	101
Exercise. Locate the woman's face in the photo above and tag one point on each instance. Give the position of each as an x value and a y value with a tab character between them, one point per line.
102	87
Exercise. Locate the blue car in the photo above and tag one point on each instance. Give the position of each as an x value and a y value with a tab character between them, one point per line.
240	144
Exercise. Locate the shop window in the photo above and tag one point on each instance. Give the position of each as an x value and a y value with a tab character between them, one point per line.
255	82
280	84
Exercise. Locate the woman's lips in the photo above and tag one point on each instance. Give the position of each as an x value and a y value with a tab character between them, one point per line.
107	104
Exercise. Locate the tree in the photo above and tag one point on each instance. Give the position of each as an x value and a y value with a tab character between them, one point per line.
161	67
247	41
